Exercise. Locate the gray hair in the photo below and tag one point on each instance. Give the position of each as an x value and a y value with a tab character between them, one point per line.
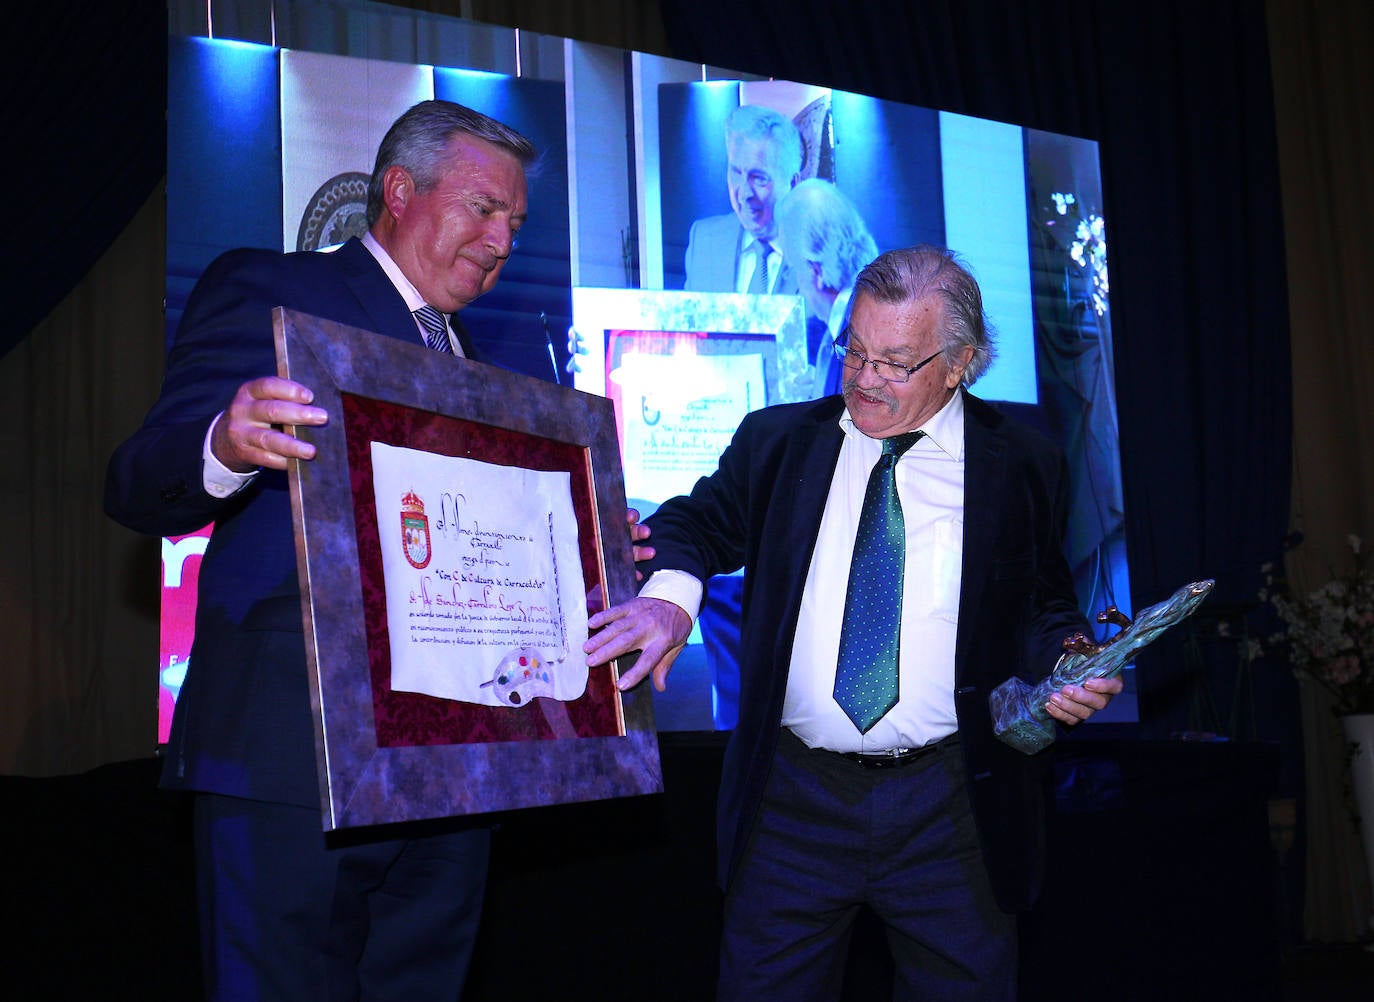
915	273
819	224
418	141
752	121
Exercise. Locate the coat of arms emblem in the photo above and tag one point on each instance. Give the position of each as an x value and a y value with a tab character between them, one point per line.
415	531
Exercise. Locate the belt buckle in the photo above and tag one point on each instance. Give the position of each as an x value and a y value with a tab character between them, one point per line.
886	759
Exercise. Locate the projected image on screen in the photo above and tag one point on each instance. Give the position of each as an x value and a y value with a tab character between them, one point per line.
690	253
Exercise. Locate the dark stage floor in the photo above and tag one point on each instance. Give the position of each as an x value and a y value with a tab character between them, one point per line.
1339	973
97	887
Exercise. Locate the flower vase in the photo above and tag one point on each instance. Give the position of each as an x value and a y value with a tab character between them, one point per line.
1359	731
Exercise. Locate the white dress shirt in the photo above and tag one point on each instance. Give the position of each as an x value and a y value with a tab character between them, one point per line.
930	484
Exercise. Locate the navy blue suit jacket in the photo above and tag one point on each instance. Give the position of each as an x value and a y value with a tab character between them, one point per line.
242	725
762	510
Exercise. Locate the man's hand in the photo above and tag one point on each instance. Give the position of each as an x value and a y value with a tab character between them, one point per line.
1074	704
638	533
656	628
248	434
641	553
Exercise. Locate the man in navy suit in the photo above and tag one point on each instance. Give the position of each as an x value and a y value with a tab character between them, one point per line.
737	251
286	911
922	816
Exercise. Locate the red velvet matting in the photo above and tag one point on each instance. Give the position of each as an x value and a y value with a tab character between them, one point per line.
413	719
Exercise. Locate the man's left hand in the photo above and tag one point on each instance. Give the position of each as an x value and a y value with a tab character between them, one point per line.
1074	704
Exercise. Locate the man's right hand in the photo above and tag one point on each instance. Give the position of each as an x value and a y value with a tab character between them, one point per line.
248	433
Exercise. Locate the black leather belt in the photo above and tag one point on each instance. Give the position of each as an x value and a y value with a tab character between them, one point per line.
897	757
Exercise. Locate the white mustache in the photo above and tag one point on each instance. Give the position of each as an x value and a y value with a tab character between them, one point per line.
880	394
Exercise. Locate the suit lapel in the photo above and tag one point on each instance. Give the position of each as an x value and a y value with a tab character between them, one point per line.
805	477
376	296
385	307
819	443
729	282
984	483
460	333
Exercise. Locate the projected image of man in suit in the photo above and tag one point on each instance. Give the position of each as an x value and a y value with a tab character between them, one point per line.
901	541
736	252
739	252
287	912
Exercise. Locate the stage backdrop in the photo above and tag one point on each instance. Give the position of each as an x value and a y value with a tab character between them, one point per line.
269	147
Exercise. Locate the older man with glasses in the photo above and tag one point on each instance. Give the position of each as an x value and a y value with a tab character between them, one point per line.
902	555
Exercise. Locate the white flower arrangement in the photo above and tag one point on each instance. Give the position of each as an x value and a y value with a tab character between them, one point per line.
1328	634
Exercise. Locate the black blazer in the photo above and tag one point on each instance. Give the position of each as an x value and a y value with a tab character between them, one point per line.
762	510
242	725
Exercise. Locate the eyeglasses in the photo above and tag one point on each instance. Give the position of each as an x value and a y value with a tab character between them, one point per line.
893	372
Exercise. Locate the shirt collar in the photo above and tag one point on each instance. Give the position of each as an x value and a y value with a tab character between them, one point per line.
750	241
403	285
944	430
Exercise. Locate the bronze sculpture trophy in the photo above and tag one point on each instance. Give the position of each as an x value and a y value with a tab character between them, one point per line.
1018	709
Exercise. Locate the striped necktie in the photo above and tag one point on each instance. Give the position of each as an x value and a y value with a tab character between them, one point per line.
758	285
436	328
866	680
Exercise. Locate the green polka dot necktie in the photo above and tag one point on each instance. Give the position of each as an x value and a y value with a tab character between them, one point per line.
866	677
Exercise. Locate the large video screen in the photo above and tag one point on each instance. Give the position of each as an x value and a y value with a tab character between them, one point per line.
679	258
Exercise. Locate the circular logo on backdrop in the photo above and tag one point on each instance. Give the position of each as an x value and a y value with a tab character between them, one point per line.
336	212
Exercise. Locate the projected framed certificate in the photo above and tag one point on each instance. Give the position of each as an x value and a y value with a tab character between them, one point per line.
457	526
683	368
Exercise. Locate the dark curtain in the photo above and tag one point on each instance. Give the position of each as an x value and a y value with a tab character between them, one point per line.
1179	98
85	111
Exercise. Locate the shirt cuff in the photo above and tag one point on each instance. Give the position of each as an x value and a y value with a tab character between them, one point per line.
682	589
220	481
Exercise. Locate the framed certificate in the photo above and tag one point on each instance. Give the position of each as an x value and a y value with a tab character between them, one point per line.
456	528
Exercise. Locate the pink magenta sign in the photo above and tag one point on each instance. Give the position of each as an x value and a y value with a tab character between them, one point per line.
180	572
